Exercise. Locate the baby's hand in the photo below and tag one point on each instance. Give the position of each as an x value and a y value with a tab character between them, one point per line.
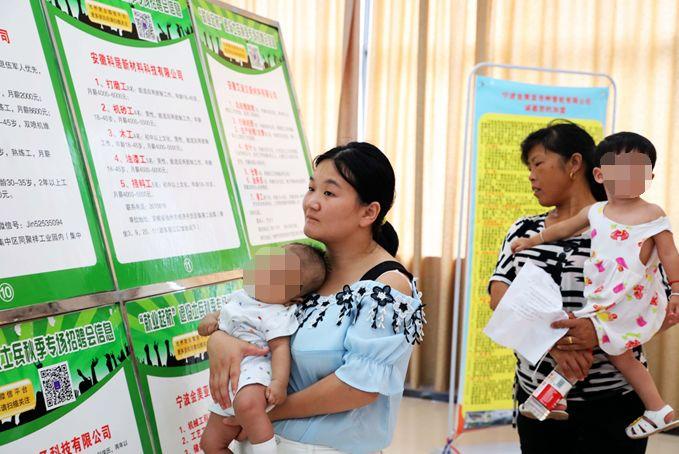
208	324
520	244
298	300
276	392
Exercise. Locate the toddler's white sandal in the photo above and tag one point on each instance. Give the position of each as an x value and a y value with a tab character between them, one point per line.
651	422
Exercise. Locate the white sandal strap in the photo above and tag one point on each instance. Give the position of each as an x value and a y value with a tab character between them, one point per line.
650	423
658	416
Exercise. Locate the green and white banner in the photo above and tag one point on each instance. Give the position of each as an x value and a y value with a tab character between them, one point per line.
259	117
142	107
50	244
173	364
67	385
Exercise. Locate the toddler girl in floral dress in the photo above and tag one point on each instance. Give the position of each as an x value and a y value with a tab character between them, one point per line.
626	298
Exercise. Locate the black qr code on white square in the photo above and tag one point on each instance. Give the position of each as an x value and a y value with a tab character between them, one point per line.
256	60
145	28
57	388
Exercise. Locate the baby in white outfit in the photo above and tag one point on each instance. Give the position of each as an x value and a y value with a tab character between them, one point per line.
262	314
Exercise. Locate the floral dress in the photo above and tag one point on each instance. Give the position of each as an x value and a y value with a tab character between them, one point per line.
626	299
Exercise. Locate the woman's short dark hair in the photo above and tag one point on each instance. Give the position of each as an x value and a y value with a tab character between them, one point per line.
370	173
565	138
624	142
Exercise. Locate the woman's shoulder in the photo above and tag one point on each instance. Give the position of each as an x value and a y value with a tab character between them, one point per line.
386	305
530	219
526	225
397	284
396	280
368	304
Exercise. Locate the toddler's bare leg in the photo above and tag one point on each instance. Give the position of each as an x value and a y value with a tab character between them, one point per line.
250	407
642	382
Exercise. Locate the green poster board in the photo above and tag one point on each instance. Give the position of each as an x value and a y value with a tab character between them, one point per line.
259	117
50	244
173	364
67	385
143	111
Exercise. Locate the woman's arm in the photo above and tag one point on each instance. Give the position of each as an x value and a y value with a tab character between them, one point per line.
497	291
326	396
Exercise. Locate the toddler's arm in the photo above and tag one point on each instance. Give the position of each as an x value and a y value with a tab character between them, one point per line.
565	229
277	391
669	257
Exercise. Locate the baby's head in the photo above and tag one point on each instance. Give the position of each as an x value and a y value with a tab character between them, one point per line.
625	163
279	275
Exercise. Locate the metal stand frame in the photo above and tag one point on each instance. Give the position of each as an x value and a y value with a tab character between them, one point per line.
459	293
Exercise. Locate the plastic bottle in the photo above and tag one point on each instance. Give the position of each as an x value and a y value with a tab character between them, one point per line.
543	400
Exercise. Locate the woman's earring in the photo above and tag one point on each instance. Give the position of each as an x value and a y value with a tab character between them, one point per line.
571	175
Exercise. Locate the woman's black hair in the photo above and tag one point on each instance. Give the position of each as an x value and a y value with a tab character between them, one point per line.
565	138
369	172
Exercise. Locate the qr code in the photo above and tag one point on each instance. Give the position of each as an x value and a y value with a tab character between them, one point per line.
256	60
145	27
56	385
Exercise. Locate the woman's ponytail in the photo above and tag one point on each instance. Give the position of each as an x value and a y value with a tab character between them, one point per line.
387	237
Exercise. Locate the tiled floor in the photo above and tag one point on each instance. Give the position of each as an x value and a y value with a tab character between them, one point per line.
423	425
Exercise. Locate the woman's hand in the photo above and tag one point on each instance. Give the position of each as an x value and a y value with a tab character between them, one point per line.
225	354
581	334
574	365
232	421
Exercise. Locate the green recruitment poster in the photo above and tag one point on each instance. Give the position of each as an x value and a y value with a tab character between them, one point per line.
67	385
173	364
50	244
259	118
141	103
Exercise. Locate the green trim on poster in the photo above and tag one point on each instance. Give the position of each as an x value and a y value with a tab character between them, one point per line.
204	33
130	275
77	360
55	285
167	308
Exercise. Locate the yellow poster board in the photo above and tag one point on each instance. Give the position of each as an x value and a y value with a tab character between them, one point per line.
502	196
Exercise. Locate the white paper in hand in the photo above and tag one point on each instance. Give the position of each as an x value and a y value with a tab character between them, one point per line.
522	319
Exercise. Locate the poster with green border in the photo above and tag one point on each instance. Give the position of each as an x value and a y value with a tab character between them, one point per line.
259	117
67	385
51	247
173	366
142	106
